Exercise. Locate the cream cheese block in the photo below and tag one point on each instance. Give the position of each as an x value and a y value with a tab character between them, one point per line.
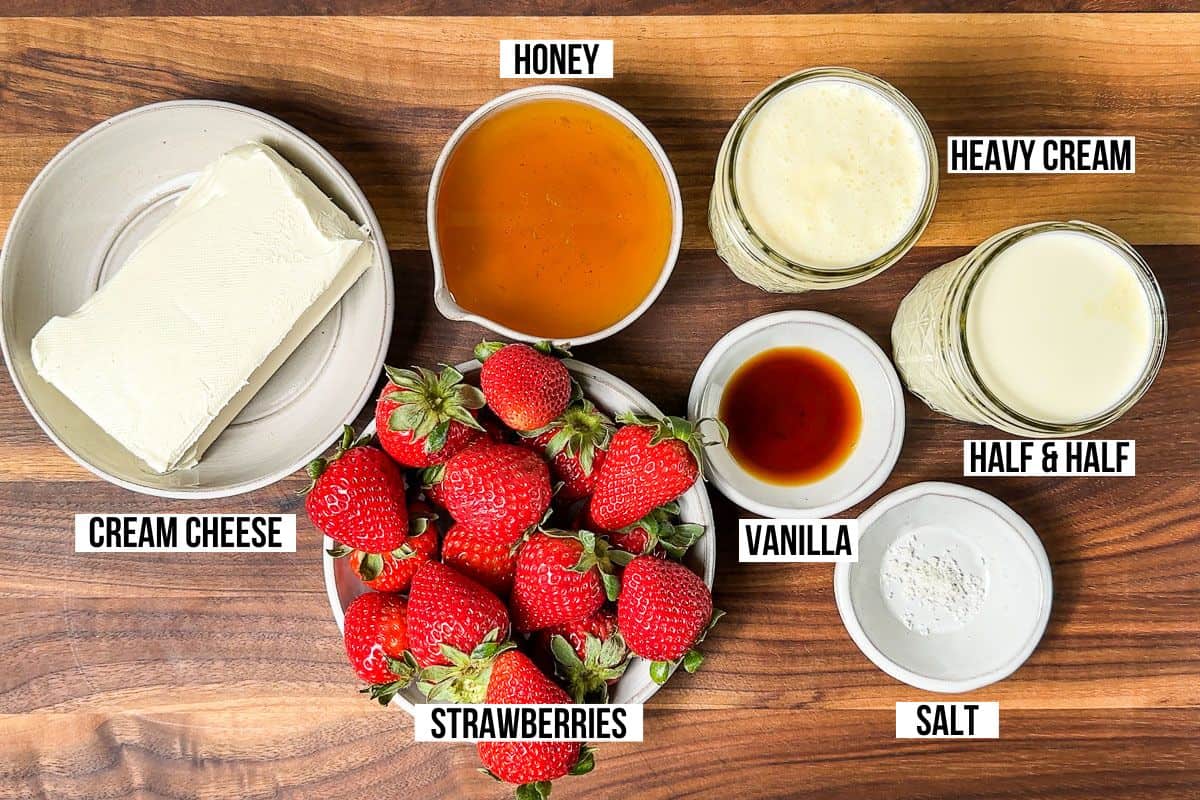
206	309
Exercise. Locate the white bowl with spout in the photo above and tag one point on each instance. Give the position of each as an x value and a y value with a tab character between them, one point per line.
443	298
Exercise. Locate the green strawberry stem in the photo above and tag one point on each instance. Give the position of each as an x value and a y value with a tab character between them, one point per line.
595	554
428	402
587	679
679	428
534	791
404	668
581	431
316	468
691	660
674	538
465	679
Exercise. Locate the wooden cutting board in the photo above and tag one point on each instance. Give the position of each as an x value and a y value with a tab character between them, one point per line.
223	676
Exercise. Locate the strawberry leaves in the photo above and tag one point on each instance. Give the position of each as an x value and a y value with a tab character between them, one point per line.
596	554
681	429
465	678
429	401
691	660
587	678
404	668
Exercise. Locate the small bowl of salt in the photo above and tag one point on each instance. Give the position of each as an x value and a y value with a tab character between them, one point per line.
951	590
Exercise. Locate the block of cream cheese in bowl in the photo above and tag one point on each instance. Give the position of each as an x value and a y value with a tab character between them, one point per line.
172	348
195	298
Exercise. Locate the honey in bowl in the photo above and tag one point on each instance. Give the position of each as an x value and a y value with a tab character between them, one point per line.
793	415
553	218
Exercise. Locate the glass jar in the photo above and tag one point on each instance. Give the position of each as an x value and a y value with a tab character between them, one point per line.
745	251
931	348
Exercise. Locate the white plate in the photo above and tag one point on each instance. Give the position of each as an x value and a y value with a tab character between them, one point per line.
612	395
873	376
989	541
84	214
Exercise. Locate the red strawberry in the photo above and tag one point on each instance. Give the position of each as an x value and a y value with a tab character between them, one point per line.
663	612
590	655
497	490
657	534
649	463
376	637
527	387
561	577
357	497
574	443
423	418
482	559
516	680
446	608
392	572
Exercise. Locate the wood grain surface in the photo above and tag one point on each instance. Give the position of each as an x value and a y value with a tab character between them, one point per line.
222	676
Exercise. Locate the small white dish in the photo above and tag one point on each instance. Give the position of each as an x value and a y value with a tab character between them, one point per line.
613	396
443	298
86	212
991	544
875	380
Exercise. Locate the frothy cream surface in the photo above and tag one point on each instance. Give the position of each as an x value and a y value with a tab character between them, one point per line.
831	173
1059	327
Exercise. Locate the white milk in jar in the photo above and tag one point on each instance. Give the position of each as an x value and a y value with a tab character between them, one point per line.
1047	329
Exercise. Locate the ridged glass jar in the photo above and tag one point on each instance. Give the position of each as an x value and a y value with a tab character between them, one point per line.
749	256
930	347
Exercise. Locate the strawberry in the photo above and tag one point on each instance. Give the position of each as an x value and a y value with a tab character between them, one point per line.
376	637
590	654
649	463
497	490
516	680
423	418
449	609
663	612
357	497
392	572
486	561
657	534
574	444
527	387
561	577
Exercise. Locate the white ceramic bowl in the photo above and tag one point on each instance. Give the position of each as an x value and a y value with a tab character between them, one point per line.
82	217
444	299
873	376
612	395
988	540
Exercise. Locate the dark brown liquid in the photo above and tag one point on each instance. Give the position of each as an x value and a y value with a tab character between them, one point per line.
793	415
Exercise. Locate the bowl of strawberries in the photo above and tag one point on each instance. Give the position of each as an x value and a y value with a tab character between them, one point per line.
520	514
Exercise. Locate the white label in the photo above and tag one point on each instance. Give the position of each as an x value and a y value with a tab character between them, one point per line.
1063	457
556	58
780	541
185	533
947	720
489	722
1040	154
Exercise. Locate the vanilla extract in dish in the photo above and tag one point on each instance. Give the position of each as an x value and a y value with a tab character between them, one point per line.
793	414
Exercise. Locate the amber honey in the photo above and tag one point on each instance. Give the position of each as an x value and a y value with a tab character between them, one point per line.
553	218
793	415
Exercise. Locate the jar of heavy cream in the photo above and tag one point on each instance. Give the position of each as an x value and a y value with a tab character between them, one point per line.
1048	329
826	179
